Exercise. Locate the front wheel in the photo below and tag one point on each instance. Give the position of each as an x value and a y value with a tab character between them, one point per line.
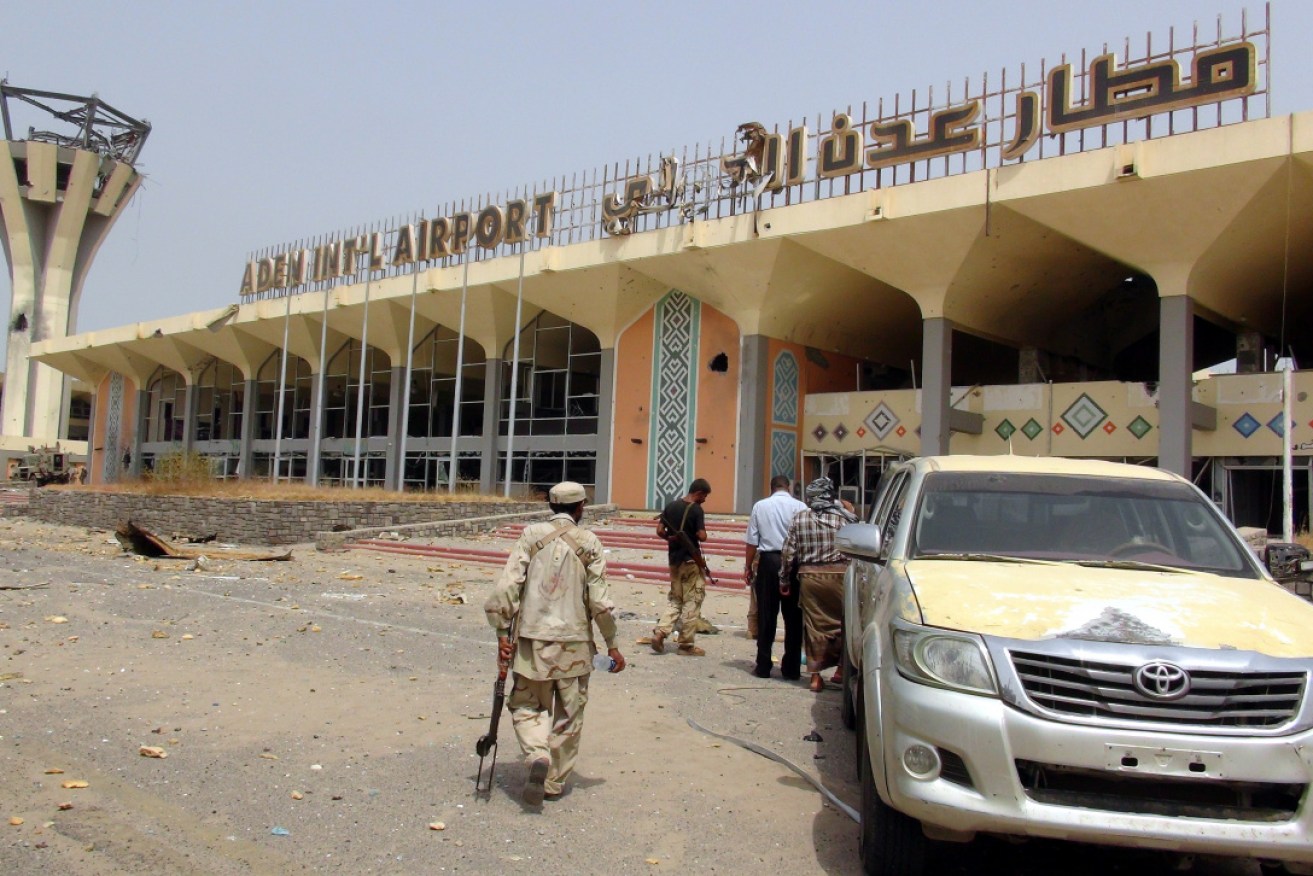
892	844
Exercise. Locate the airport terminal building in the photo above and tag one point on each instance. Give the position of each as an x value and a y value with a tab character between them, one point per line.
1038	262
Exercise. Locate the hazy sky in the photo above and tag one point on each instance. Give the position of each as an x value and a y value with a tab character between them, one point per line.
284	120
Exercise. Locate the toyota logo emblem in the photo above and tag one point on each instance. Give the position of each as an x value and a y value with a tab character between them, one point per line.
1162	681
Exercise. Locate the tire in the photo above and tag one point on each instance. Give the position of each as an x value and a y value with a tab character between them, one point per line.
891	843
848	709
1273	868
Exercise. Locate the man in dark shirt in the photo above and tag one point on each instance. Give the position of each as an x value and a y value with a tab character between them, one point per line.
687	586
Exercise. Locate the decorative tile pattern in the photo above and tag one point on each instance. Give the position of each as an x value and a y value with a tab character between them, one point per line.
1005	429
1032	429
1246	425
674	398
881	421
111	464
784	404
840	432
1139	427
1084	415
1278	424
1109	427
783	453
819	432
861	431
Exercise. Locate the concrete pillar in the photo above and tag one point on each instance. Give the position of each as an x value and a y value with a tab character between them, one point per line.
189	418
605	426
52	222
1031	363
92	435
65	399
315	454
245	453
1175	361
394	465
753	458
139	433
936	384
491	420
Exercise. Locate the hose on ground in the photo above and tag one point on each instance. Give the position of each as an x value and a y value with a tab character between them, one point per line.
767	753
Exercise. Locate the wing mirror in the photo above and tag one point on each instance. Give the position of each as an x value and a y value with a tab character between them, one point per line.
858	540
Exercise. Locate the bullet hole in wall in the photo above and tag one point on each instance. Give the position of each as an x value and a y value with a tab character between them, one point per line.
719	363
20	322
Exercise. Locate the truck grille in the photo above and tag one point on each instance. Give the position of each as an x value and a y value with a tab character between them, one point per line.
1159	795
1103	690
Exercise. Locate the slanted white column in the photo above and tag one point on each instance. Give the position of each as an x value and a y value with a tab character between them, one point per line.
54	221
1175	358
936	386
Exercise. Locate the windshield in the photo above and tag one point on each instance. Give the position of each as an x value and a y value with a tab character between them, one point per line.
1072	518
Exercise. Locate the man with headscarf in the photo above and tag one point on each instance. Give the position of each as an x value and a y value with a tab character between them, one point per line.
810	562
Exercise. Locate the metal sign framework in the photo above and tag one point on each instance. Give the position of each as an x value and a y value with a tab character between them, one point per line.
1076	105
98	126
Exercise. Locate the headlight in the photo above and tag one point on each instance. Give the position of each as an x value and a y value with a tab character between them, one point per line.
943	659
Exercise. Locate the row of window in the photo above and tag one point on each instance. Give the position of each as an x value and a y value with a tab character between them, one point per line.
557	385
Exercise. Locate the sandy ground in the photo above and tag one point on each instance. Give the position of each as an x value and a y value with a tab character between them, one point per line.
320	715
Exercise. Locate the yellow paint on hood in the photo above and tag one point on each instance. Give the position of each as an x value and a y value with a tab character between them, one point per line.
1023	601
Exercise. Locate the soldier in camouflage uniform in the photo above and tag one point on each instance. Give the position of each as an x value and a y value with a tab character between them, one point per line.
552	590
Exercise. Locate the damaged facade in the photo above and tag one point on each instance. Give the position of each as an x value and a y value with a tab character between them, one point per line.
1037	269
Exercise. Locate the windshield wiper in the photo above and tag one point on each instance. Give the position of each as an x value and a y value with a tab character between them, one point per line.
1130	564
985	558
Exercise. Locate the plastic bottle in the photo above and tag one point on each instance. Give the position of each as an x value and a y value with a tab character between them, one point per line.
603	662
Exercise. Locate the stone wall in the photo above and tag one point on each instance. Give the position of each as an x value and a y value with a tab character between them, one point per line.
250	521
454	528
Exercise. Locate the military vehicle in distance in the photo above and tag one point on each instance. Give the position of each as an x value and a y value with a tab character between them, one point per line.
44	465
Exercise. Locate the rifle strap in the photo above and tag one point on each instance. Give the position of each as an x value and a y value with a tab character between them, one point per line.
688	506
561	531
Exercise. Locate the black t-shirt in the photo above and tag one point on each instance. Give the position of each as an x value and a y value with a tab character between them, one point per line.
693	523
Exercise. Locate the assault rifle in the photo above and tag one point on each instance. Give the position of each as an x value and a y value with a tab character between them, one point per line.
689	545
488	741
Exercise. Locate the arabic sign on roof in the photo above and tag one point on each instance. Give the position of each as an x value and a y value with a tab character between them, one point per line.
1192	84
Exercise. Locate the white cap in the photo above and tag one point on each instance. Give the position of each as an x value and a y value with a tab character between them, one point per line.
567	493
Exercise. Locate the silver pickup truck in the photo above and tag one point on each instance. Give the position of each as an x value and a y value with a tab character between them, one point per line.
1077	650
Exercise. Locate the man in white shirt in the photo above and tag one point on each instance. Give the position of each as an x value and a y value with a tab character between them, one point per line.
767	528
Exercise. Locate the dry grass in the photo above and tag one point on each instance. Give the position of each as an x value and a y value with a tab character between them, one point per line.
188	474
264	491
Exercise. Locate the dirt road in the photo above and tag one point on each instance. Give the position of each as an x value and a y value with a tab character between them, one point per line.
320	716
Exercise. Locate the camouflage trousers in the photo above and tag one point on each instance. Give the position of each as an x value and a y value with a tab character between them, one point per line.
549	719
683	602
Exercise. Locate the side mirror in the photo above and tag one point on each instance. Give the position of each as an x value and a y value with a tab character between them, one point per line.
1285	559
859	541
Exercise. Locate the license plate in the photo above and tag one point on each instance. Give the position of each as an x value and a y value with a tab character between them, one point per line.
1164	761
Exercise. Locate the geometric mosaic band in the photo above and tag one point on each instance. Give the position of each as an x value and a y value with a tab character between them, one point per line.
783	453
784	404
674	398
